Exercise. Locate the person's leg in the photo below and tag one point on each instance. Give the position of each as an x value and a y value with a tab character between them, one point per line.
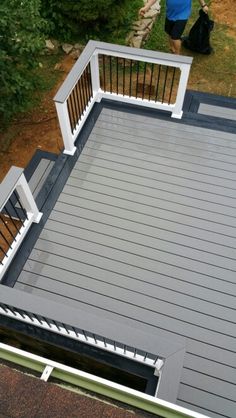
175	45
175	30
168	29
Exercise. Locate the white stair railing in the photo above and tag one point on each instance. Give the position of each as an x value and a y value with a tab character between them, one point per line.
18	211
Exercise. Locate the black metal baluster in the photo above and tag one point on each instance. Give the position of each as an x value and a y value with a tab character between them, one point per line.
4	252
104	72
6	226
90	80
123	76
88	73
130	78
84	76
172	84
85	336
164	87
157	83
150	85
73	111
19	202
83	92
137	78
5	239
16	211
144	79
56	325
68	104
81	95
77	92
117	84
76	104
12	220
110	68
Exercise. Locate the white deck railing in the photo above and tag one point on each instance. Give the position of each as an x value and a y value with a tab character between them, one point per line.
130	75
18	211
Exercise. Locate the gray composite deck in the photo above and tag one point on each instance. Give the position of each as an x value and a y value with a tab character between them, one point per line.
39	176
217	111
144	233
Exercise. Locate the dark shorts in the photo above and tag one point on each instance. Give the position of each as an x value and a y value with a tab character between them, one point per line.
175	28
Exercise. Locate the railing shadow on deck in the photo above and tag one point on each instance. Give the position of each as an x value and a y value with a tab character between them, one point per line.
130	75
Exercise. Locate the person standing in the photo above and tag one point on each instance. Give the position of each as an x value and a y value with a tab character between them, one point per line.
177	14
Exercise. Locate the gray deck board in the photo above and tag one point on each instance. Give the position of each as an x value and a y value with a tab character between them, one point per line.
121	118
184	214
39	176
217	111
209	401
183	147
159	133
144	233
137	175
91	274
150	225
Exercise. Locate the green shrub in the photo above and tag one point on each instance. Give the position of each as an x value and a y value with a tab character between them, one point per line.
97	19
21	39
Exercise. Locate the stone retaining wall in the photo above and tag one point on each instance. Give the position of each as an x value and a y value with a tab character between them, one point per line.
142	27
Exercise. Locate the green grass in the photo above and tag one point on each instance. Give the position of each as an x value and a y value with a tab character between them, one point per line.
214	73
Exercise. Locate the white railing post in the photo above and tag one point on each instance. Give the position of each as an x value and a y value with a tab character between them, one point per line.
64	122
94	65
27	199
177	111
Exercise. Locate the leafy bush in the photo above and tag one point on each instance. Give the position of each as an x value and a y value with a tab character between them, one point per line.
21	39
84	18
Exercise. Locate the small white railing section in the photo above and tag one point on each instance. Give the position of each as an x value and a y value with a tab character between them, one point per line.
18	211
129	75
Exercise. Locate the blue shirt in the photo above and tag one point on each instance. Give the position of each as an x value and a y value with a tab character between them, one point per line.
178	9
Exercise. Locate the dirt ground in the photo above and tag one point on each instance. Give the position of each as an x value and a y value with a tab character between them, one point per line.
224	11
39	129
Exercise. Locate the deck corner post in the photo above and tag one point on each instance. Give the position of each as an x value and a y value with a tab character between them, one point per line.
27	199
178	107
64	122
95	75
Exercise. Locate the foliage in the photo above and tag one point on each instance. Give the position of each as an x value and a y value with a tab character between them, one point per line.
85	19
158	40
21	39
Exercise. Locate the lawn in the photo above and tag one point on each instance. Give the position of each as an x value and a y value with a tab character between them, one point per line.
215	73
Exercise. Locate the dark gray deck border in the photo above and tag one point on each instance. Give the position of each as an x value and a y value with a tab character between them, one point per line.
192	101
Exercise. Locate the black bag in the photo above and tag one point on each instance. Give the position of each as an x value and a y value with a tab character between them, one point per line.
199	36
